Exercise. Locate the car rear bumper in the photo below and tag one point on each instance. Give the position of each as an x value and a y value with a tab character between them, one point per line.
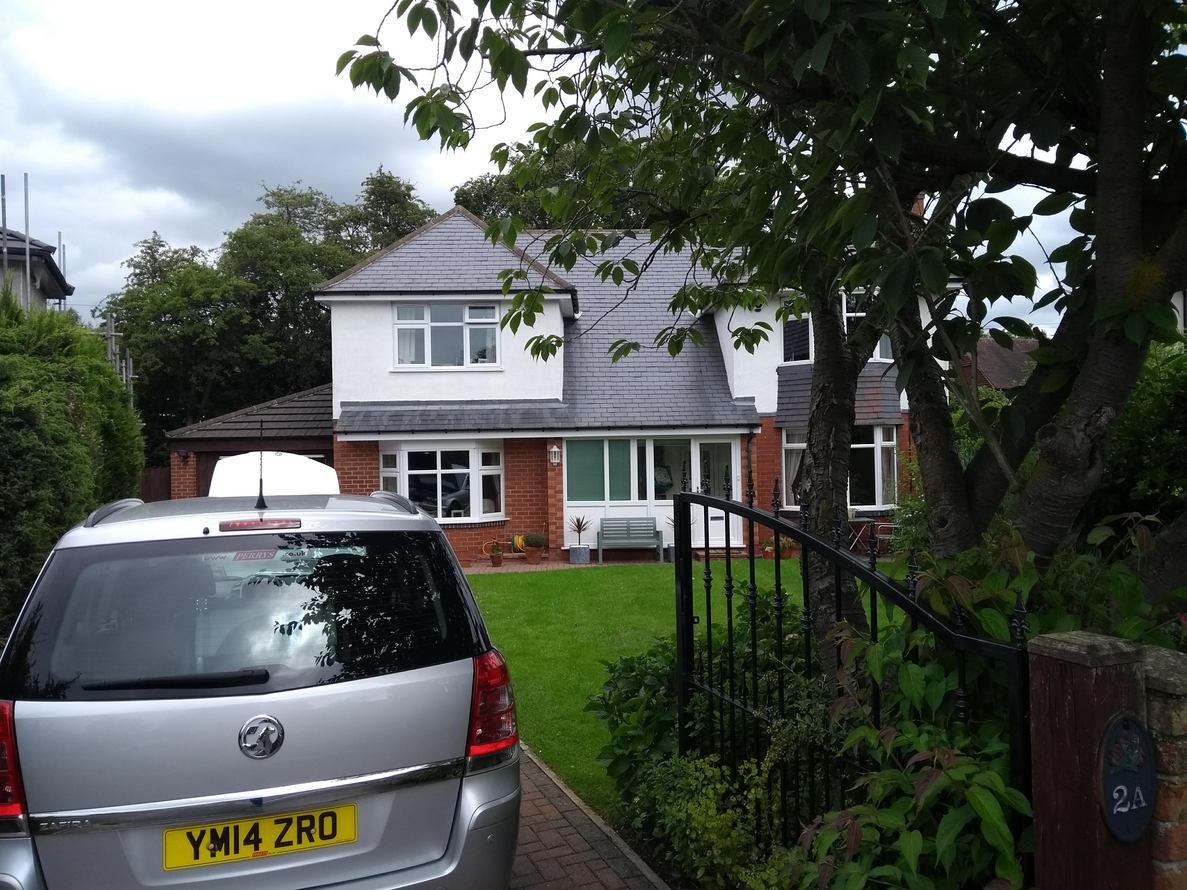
479	856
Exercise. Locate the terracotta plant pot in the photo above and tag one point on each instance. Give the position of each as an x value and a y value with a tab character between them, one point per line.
532	555
496	559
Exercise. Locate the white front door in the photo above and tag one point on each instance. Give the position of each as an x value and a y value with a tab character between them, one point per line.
715	463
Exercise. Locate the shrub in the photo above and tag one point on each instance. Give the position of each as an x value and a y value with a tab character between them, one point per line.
71	440
534	540
702	828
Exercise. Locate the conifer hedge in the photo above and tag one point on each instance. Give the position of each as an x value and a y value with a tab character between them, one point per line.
69	439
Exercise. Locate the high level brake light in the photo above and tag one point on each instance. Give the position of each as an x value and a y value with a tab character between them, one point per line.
493	726
255	525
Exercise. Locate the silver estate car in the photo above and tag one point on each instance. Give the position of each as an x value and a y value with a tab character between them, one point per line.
201	694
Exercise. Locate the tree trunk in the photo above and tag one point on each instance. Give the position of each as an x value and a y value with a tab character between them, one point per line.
951	527
836	365
1072	448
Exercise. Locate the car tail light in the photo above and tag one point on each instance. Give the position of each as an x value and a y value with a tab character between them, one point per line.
12	792
492	709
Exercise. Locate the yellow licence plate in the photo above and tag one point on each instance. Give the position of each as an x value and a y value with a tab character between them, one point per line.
219	842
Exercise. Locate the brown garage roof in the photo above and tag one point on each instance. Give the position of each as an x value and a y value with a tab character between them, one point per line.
1003	368
305	414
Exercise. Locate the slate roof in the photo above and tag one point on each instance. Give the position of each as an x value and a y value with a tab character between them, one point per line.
457	258
1003	368
306	414
649	389
454	417
876	401
12	243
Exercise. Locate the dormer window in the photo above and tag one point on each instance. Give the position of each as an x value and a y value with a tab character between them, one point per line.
446	335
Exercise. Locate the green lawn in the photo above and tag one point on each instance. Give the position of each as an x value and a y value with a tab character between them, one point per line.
556	629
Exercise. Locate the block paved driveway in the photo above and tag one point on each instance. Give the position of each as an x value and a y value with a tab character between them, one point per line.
563	845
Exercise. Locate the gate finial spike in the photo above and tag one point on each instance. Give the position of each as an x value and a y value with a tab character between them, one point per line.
726	486
684	477
838	532
1019	626
872	545
749	486
912	575
775	500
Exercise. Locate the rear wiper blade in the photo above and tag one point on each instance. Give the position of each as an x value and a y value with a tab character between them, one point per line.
245	677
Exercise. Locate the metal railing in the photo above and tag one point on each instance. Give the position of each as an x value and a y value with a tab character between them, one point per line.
734	691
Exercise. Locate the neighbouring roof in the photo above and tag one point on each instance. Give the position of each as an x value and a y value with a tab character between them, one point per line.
12	243
305	414
1000	367
449	253
876	401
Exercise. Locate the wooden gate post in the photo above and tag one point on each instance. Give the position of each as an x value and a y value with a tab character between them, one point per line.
1079	682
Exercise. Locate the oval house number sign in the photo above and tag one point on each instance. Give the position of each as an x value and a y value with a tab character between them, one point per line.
1128	778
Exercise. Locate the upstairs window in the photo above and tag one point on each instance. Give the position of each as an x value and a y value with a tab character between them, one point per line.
446	335
797	332
797	339
854	306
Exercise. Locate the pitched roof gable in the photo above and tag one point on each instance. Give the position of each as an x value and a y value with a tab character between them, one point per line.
449	253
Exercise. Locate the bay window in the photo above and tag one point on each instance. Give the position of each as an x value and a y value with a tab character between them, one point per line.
795	446
873	467
459	481
445	335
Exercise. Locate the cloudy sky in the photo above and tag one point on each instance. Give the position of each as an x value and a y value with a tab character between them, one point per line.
135	116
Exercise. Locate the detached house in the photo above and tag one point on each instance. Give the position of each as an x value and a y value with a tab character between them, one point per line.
44	282
431	399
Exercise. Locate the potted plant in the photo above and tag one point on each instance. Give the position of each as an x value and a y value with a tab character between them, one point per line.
533	545
768	548
496	555
579	553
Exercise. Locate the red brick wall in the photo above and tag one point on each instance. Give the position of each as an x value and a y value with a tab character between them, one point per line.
766	450
906	453
357	464
183	475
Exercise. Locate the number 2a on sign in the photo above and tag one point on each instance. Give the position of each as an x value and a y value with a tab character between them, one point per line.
1123	801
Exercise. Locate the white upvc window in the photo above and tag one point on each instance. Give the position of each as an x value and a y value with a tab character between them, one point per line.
795	449
797	333
873	467
446	335
458	481
853	307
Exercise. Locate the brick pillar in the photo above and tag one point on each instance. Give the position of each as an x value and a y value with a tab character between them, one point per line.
1078	683
357	465
554	499
766	450
1166	715
183	475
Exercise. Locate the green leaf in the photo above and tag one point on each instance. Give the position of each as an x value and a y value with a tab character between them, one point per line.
951	825
344	60
818	54
994	623
1056	203
617	37
911	844
367	40
936	8
993	820
911	682
874	658
866	231
817	10
1099	535
1136	327
932	270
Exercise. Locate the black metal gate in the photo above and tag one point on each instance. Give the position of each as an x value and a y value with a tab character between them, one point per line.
731	689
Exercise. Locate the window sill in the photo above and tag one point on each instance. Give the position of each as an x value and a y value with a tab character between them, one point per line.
448	369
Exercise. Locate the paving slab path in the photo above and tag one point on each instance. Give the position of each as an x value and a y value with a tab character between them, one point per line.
564	844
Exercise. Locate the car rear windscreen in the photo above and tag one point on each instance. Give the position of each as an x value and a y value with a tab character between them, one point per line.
238	616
